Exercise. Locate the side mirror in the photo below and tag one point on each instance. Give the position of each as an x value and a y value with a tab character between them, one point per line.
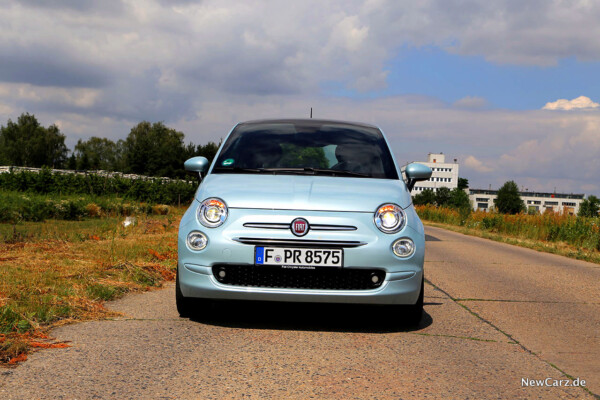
196	164
416	172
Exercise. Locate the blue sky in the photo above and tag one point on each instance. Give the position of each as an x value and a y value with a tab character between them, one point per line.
434	72
508	88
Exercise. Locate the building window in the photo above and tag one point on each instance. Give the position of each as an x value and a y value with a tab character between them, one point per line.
478	199
551	203
568	204
482	205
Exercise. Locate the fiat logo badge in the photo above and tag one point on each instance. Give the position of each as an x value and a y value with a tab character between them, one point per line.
299	227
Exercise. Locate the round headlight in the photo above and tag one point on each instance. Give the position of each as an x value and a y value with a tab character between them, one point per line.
197	240
403	247
389	218
212	212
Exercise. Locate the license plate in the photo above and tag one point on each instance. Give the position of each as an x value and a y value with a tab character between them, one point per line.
298	257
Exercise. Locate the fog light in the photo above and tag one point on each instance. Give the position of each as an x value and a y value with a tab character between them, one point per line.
403	247
197	240
221	274
375	279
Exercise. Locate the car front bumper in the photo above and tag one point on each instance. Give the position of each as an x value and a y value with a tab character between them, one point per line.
398	288
403	277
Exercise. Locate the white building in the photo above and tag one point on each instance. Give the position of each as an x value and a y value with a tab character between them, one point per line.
483	199
444	174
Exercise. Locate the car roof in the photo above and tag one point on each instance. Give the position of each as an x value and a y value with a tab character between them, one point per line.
306	122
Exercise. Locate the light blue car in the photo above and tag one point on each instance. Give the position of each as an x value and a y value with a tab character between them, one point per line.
306	211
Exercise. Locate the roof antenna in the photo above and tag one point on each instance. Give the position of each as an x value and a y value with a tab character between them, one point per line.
311	112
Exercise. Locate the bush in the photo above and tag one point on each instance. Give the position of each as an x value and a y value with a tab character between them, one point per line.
580	232
154	191
16	207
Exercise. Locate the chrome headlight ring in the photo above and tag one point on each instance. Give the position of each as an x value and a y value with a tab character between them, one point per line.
212	212
389	218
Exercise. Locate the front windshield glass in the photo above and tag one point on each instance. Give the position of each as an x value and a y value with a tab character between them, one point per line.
306	147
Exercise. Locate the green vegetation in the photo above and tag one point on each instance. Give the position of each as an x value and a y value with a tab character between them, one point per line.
573	236
151	149
27	143
444	197
463	183
589	207
509	200
154	191
17	207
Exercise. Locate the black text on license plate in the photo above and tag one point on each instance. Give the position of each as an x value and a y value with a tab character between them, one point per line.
286	256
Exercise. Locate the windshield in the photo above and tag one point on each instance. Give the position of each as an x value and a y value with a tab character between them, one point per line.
306	147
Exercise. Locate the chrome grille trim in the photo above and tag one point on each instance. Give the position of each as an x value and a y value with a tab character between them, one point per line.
320	227
313	227
299	242
266	225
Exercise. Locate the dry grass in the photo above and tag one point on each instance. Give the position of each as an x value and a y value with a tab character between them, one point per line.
57	272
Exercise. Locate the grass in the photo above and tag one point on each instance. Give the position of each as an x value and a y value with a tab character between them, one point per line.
567	235
56	272
16	207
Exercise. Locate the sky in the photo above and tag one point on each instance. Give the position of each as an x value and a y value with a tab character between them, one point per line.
509	88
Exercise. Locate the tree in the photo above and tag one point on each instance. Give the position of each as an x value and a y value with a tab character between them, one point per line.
509	200
27	143
101	153
154	149
442	196
72	163
459	199
425	197
55	151
589	207
463	183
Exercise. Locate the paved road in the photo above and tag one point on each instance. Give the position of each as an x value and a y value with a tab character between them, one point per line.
495	314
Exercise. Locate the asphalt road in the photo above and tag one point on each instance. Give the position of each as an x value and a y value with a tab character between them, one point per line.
495	314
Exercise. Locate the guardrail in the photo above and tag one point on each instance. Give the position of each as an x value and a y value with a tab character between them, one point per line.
110	174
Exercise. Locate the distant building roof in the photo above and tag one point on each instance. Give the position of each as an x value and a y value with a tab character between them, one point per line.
532	194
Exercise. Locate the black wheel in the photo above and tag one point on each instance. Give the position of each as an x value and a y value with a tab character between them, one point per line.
413	313
184	304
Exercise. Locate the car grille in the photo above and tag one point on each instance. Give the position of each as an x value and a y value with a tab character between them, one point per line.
327	278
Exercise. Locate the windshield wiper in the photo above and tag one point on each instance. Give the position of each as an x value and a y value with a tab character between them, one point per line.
301	171
238	170
313	171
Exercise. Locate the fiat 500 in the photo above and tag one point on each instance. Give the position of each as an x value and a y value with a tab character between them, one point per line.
305	211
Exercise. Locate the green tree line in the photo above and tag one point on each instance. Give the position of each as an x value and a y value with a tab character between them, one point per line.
508	200
151	149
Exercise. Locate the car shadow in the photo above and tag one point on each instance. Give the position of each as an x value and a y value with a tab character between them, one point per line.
308	317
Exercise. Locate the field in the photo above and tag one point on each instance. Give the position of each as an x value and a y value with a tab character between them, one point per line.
571	236
56	271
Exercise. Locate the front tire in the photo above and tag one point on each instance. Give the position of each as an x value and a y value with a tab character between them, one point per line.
184	304
413	313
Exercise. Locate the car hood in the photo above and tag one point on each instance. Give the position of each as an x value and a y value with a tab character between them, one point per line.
303	192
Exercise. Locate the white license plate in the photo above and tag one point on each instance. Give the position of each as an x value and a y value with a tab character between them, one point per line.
298	257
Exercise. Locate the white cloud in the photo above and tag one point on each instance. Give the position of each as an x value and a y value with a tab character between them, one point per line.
581	102
471	102
474	163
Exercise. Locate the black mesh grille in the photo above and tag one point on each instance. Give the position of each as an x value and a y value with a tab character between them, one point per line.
319	278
